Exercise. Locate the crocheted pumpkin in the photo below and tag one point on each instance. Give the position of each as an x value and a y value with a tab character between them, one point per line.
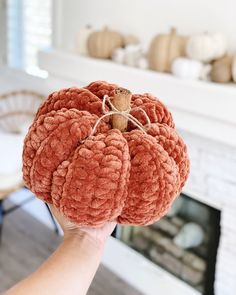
97	175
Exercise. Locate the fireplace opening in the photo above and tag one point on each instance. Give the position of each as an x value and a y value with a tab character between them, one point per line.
184	242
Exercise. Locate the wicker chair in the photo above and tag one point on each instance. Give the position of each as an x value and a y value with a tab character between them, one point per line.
17	110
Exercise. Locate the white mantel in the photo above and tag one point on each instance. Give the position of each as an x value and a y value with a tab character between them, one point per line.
202	108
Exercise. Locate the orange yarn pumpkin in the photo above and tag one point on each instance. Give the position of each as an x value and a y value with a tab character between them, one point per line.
132	176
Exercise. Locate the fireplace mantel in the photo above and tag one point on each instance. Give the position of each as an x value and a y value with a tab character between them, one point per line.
202	108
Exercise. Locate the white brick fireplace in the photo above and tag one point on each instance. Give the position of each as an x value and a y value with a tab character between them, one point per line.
205	116
213	181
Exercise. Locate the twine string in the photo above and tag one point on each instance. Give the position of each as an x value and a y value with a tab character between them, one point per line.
125	114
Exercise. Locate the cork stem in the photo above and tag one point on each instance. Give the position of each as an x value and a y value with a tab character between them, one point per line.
122	101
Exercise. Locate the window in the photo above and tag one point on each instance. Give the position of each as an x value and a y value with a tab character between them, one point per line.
29	27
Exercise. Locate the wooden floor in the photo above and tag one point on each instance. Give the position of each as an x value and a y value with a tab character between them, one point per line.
26	243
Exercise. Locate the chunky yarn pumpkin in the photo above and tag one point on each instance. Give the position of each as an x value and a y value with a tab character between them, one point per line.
130	176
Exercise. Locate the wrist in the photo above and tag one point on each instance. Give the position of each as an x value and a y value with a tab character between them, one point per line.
83	239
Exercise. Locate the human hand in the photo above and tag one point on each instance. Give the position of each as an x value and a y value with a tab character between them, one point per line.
98	235
72	266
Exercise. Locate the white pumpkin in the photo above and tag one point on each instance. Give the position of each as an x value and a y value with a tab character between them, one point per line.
191	235
206	47
132	54
186	68
142	63
81	40
118	55
234	68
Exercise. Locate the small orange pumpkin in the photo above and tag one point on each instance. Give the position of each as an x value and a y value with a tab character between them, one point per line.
114	171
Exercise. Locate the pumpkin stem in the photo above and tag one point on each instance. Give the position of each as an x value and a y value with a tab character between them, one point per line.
122	101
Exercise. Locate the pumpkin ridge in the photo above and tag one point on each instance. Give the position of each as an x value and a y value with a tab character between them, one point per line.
71	98
125	168
38	135
101	88
37	158
133	213
111	210
78	121
174	145
156	110
58	180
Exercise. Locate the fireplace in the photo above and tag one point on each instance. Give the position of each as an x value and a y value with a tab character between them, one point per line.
184	242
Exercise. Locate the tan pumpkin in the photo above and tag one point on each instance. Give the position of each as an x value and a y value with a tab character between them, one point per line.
131	40
164	49
102	43
234	68
221	71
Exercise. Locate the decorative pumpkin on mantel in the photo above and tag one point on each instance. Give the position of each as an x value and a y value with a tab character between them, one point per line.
186	68
130	40
206	47
102	43
100	153
221	71
234	68
164	49
82	36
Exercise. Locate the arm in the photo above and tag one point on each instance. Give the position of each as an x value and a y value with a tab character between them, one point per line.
71	268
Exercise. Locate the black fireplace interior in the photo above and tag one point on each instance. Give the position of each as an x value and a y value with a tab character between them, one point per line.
184	242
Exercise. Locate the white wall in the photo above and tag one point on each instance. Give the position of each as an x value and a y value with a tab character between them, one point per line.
146	17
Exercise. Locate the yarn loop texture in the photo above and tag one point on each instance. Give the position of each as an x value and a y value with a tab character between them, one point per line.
97	175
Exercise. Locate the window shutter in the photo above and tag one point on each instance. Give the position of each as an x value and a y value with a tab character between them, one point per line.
29	26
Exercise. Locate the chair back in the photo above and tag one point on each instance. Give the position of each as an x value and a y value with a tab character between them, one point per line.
17	110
